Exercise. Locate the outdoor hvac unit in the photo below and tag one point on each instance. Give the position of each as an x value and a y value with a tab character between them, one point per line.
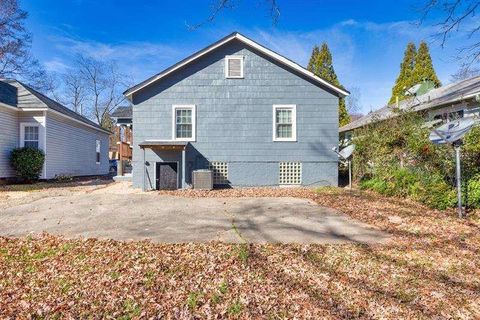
203	179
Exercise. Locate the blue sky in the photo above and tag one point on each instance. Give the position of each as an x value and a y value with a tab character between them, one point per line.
367	39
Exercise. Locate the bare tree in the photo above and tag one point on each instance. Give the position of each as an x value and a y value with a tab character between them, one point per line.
100	87
74	91
457	15
15	44
353	100
218	6
465	72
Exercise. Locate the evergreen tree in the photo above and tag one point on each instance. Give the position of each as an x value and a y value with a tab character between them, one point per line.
313	58
321	64
404	80
423	70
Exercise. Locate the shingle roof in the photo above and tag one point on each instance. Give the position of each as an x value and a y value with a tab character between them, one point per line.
122	112
434	98
51	104
8	94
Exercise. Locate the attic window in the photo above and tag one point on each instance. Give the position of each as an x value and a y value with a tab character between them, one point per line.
234	67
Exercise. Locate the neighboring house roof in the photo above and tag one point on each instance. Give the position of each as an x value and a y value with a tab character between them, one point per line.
122	112
8	94
237	36
355	116
447	94
49	103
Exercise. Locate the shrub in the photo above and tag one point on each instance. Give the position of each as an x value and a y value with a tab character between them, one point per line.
473	192
433	191
27	162
375	184
396	158
63	178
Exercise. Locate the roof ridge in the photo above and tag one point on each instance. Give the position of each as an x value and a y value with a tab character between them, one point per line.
247	41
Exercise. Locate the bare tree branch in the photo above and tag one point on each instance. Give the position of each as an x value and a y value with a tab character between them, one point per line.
99	86
15	43
457	16
218	6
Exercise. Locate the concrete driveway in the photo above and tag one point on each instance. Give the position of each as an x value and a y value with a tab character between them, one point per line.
118	212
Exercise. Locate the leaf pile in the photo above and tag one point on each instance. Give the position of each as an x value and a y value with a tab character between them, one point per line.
429	270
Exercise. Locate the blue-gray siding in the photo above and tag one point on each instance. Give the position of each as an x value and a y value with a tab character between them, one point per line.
234	120
8	139
71	148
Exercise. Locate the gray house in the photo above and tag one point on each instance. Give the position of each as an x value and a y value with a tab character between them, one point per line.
249	114
73	145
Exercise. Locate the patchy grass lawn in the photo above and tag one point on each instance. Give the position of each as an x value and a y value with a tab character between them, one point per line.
428	270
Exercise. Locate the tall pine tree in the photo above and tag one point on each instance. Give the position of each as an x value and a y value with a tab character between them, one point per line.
321	64
404	80
423	70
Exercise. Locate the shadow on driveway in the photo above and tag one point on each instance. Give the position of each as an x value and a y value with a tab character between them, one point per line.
171	219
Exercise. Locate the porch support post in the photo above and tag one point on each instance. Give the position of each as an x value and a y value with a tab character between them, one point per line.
144	168
184	184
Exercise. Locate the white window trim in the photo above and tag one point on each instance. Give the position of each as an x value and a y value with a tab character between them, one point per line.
241	58
41	134
293	107
194	121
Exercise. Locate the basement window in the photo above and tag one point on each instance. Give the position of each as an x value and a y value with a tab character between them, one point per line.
290	173
220	172
234	67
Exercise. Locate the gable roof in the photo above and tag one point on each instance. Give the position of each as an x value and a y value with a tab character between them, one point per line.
451	93
49	103
237	36
8	94
122	112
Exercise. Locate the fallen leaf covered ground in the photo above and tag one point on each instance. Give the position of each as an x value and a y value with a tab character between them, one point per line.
430	269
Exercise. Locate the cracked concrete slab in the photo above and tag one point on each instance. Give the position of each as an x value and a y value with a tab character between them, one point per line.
115	214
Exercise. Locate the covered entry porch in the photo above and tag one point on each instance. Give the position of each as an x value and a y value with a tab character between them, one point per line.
168	170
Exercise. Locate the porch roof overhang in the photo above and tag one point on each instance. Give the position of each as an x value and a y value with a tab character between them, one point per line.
163	144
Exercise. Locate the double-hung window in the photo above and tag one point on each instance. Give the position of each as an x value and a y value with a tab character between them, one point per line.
284	123
184	122
30	135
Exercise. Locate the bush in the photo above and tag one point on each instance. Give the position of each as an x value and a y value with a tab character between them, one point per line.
396	158
433	191
27	162
473	192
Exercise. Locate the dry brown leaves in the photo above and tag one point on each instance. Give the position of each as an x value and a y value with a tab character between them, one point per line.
429	270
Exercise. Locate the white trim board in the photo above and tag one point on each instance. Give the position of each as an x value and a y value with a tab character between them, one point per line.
128	93
8	106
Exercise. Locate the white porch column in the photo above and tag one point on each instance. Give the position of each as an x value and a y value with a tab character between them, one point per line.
184	184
